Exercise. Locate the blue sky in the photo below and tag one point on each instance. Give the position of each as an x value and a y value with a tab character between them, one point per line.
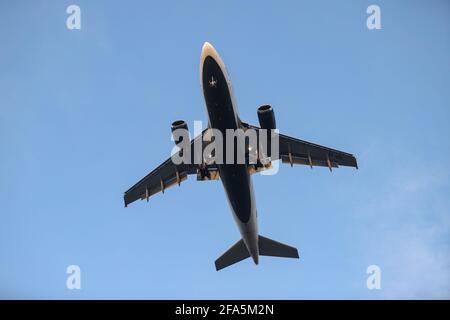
86	113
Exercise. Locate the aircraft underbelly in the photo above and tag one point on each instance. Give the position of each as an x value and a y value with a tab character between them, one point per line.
235	177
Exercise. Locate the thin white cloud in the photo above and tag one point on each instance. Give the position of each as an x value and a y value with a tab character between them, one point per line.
406	223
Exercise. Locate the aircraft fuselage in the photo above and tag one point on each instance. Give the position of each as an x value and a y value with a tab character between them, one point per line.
222	115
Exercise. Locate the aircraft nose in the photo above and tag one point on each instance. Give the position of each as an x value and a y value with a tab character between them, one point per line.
208	50
207	46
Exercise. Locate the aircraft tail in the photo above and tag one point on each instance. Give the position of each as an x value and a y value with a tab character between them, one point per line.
235	254
267	247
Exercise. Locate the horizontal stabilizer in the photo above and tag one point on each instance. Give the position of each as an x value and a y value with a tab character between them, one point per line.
269	247
235	254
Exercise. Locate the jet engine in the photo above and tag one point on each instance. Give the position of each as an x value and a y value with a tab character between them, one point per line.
266	117
178	124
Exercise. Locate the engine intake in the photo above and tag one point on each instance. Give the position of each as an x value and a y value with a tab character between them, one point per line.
178	124
266	117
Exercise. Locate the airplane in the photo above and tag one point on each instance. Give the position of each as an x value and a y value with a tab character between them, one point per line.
236	178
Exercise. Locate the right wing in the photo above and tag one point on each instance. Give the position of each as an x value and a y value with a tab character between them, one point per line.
296	151
166	175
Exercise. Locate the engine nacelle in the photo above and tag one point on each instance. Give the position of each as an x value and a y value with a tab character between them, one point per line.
266	117
178	124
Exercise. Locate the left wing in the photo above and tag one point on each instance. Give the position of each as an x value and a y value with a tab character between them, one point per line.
163	177
166	175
